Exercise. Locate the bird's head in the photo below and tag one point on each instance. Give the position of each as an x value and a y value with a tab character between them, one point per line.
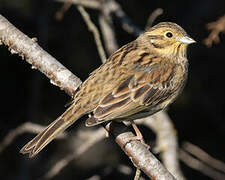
168	39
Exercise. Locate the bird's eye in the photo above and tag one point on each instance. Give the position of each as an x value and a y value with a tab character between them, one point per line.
169	34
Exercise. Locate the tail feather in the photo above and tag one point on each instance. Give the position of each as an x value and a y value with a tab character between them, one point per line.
42	139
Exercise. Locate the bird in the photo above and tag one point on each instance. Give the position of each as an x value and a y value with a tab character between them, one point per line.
138	80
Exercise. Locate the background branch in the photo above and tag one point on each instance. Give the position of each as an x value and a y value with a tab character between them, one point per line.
27	127
108	33
216	28
95	32
156	13
203	156
199	166
93	4
90	140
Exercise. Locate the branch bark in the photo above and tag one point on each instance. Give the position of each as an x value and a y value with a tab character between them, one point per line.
138	153
167	142
29	50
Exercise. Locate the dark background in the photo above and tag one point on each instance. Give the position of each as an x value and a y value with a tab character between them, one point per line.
26	94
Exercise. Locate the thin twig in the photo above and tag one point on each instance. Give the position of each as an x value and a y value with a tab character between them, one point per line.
95	32
126	170
203	156
107	28
137	174
126	22
93	4
95	177
27	127
108	34
60	13
156	13
113	8
198	165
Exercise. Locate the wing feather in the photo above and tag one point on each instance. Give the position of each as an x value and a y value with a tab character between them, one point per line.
134	94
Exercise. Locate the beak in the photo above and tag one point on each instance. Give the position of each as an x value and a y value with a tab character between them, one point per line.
187	40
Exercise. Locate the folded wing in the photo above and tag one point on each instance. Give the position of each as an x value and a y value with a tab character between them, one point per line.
139	91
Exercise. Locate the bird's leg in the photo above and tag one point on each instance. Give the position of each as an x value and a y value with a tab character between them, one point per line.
138	135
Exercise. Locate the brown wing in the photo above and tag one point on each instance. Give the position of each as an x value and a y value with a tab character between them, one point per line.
147	86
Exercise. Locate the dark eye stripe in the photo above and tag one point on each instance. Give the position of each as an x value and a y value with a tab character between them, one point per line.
159	45
155	36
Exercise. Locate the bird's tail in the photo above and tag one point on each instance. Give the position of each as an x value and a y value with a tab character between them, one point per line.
46	136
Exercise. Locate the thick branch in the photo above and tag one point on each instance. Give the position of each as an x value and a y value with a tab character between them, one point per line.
29	50
138	153
167	143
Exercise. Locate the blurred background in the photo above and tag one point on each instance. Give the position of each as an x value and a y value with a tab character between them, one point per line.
27	95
